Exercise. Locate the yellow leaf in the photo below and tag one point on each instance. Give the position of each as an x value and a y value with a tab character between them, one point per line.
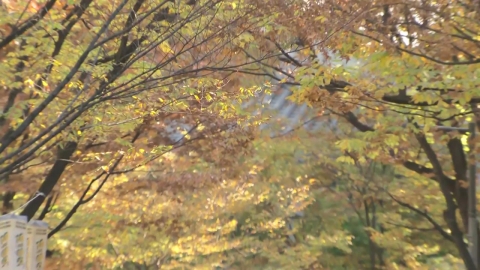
345	159
165	47
29	83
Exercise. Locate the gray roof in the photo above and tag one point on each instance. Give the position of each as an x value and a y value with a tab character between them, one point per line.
290	115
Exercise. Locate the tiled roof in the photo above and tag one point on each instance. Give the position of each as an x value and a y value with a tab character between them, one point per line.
285	113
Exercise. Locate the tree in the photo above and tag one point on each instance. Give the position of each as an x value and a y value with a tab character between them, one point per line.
386	73
89	84
412	76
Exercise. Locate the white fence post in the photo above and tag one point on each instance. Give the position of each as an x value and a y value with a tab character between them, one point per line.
13	242
37	244
23	245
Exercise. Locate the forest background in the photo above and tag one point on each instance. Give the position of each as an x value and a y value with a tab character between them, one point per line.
241	134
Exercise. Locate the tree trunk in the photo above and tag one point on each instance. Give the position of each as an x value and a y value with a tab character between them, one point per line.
63	159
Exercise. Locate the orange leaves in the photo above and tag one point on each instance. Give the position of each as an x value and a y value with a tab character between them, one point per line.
15	6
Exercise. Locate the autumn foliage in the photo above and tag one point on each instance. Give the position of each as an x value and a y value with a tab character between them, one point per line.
159	134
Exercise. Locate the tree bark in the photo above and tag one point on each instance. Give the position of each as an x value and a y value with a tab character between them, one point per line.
63	159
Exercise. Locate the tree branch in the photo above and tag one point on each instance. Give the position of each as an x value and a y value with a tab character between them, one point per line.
29	23
450	212
426	216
